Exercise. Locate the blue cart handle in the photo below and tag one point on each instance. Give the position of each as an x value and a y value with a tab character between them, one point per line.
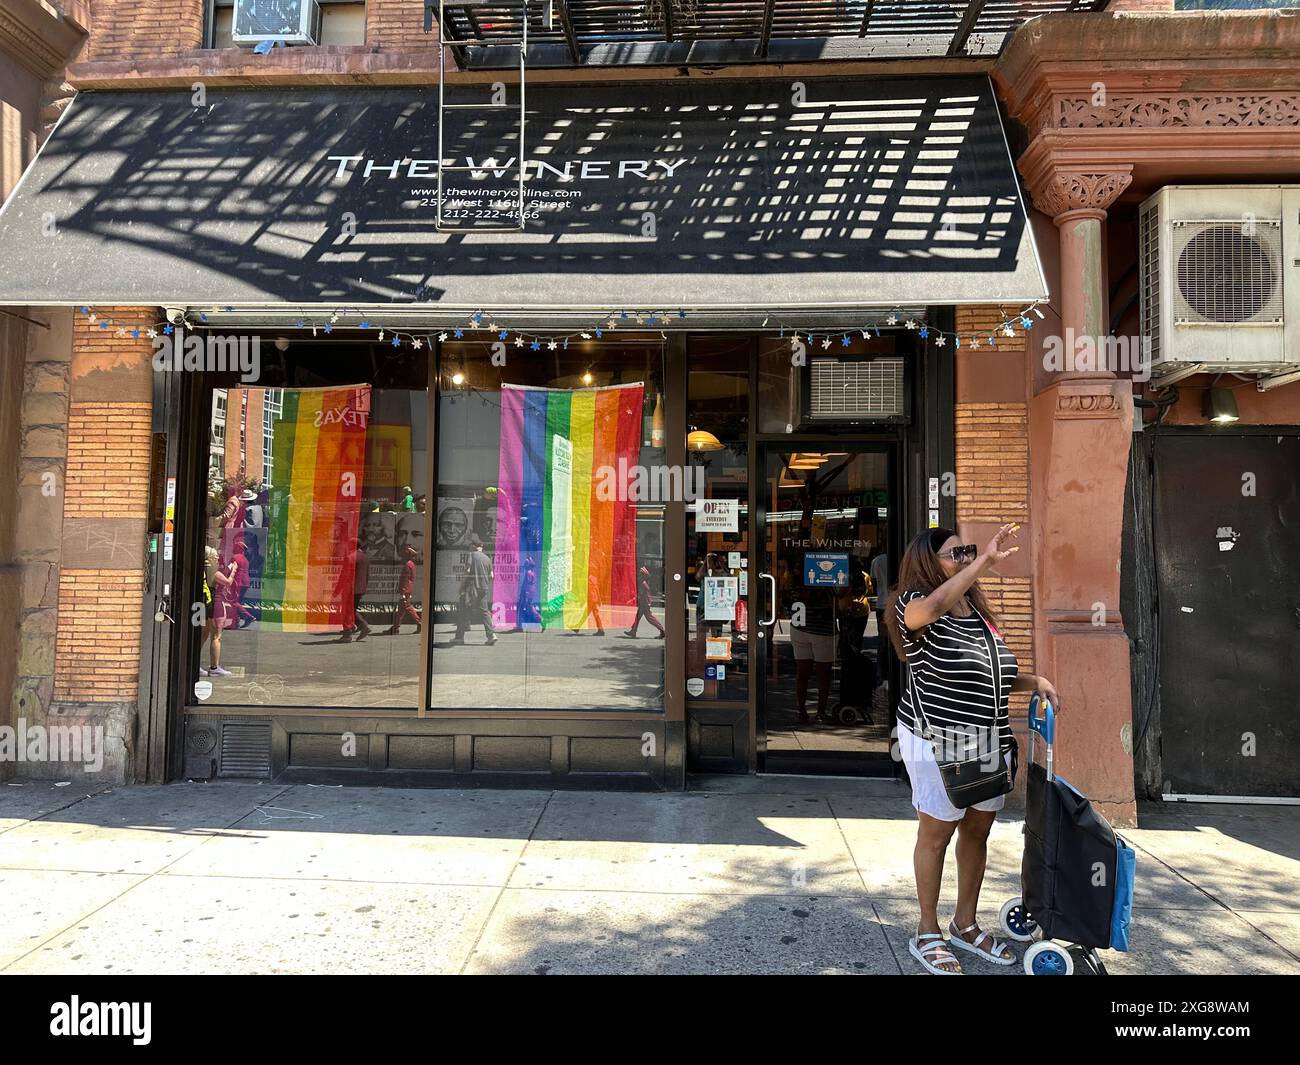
1045	726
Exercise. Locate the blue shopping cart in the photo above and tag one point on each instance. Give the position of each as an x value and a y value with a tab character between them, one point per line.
1076	875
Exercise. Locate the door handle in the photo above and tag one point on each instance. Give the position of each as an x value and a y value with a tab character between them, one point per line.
771	619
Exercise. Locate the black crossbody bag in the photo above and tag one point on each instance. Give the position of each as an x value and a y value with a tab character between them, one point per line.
971	780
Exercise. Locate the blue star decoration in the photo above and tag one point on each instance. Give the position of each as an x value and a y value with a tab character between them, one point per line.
1024	320
202	317
477	317
536	345
85	310
458	332
397	342
136	333
167	330
504	334
365	325
623	315
924	332
652	320
681	314
328	328
301	323
845	341
599	332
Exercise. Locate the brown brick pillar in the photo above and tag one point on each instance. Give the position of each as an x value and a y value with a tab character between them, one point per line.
992	443
104	525
396	23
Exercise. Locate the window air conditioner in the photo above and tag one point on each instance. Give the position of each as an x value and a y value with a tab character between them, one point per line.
291	21
1219	275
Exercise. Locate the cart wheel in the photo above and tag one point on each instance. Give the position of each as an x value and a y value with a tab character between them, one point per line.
1016	921
850	715
1048	959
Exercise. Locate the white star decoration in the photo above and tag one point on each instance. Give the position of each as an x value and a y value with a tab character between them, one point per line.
152	333
910	324
826	343
974	343
442	337
417	343
1008	331
940	340
552	346
519	342
892	320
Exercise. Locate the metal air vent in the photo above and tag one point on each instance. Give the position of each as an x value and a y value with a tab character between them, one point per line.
856	390
1229	272
245	749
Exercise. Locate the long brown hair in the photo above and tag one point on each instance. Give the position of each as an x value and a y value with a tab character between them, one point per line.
921	571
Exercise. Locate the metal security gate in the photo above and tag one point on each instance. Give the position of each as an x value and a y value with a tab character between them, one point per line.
1227	532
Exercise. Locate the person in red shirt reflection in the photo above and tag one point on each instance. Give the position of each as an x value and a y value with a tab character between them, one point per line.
406	608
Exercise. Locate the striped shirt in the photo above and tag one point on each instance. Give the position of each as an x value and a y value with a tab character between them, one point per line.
952	673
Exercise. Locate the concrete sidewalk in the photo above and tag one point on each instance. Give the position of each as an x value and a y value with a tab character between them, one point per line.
747	875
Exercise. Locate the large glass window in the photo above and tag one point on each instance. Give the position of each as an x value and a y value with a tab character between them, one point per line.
548	582
314	550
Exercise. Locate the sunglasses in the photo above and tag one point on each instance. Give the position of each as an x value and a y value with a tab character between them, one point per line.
964	553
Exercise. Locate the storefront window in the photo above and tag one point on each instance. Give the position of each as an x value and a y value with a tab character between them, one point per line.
548	586
314	553
717	528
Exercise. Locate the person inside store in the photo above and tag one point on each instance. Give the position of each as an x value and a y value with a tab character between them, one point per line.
358	629
812	638
475	591
959	675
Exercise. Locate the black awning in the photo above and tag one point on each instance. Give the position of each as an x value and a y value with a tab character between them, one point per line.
715	197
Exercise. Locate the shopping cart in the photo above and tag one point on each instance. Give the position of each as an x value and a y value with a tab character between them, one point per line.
1076	875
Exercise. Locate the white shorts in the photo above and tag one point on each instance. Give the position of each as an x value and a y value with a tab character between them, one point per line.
928	793
818	647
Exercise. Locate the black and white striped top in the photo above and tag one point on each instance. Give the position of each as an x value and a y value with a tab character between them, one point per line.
952	674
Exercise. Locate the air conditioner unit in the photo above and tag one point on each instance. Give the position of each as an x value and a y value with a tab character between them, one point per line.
291	21
1219	272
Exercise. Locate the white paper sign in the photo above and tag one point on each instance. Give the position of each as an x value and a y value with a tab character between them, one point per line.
695	685
720	595
717	515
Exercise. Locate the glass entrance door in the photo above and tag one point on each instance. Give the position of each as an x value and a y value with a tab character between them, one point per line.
823	522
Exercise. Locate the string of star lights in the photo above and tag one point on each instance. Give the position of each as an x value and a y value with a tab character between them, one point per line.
483	322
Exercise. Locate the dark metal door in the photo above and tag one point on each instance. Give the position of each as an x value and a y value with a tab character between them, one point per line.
1227	529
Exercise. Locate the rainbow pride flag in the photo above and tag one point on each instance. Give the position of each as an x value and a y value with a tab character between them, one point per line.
318	465
561	548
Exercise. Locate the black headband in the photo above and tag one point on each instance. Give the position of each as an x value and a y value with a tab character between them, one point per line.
939	537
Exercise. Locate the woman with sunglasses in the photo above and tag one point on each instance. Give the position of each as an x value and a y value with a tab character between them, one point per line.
939	623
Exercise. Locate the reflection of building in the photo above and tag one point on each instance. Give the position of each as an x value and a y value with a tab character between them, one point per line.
837	210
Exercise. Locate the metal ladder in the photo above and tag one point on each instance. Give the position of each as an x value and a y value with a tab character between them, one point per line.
441	223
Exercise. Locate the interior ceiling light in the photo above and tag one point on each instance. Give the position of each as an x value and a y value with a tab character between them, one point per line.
702	440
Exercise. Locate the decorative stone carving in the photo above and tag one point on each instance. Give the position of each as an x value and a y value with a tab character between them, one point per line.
1175	111
1087	401
1064	189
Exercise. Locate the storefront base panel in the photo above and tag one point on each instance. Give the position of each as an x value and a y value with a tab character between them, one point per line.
718	740
432	752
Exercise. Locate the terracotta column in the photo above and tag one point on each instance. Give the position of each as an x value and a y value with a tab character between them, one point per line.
1077	200
1080	427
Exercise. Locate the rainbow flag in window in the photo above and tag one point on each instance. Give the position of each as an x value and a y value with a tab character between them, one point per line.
565	550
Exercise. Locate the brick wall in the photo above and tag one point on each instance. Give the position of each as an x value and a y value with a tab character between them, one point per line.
391	23
97	653
992	444
135	29
105	508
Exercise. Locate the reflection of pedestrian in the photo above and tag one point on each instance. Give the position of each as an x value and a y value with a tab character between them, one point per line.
408	500
643	604
225	596
358	628
406	592
474	592
528	608
592	608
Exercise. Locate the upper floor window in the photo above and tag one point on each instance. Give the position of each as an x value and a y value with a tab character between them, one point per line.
341	21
